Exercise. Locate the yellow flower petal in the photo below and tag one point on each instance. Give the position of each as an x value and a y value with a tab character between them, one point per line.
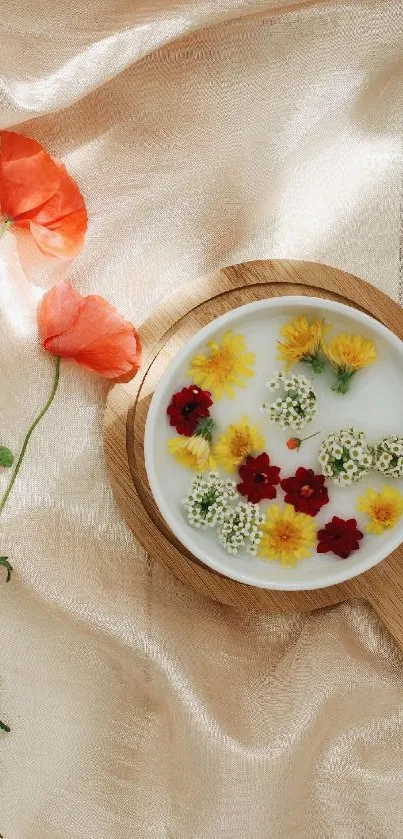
192	452
350	352
287	535
226	365
236	443
384	508
374	528
302	340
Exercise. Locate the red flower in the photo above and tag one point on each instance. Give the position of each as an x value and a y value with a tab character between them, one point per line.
306	491
187	408
90	331
37	193
258	478
339	536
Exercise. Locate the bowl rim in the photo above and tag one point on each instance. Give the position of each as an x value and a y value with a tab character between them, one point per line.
334	576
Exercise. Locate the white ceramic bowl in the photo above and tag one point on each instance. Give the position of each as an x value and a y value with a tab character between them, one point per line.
374	404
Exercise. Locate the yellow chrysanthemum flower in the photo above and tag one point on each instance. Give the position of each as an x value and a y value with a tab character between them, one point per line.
226	365
287	536
236	443
347	354
192	452
195	452
303	342
383	508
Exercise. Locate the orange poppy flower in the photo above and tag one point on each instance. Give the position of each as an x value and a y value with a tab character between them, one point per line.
37	193
90	331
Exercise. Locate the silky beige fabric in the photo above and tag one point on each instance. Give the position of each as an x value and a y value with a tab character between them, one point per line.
202	133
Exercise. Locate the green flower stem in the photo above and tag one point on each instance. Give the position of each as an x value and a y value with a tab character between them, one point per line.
317	362
36	422
6	564
6	224
310	436
343	380
205	429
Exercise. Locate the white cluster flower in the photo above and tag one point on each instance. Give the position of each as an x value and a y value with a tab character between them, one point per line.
388	456
207	500
208	504
297	405
241	526
345	456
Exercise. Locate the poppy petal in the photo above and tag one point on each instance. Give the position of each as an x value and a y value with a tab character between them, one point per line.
66	200
115	356
90	331
28	175
37	193
63	238
59	310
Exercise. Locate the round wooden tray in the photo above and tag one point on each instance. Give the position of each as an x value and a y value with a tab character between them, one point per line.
170	326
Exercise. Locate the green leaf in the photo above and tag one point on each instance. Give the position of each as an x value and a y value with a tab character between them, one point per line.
4	561
6	457
4	727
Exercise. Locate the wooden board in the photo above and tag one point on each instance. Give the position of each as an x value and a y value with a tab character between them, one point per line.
163	334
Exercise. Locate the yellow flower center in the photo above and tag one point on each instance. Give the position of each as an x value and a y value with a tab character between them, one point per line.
301	345
286	536
383	513
224	367
222	363
302	340
351	352
383	508
351	358
240	446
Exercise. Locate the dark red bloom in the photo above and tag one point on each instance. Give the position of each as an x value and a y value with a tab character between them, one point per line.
187	408
258	478
339	536
305	491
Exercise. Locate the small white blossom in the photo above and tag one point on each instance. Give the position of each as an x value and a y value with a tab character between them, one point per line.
345	456
207	500
297	405
388	456
208	504
241	527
